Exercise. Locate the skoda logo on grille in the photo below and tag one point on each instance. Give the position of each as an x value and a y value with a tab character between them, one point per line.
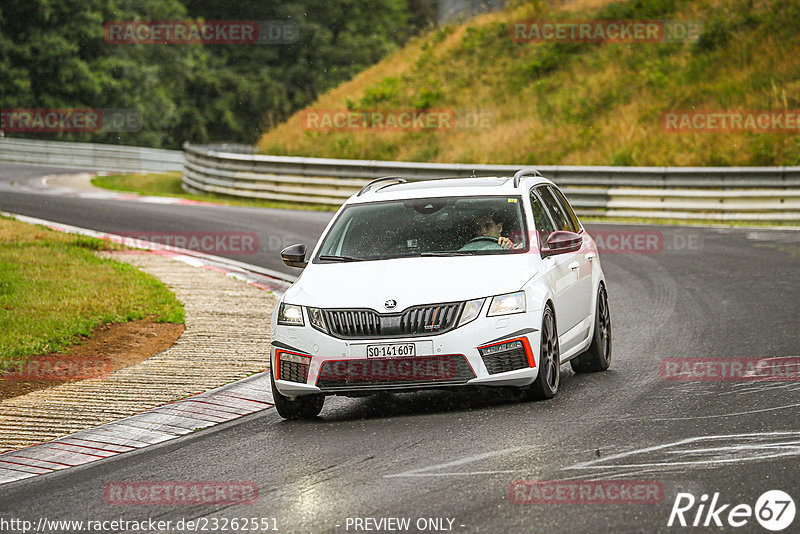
390	304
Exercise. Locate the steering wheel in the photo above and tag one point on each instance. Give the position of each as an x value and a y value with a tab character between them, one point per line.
484	238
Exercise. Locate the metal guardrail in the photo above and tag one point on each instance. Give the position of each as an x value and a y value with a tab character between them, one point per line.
703	193
90	156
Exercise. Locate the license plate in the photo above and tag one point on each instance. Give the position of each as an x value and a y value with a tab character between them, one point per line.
390	351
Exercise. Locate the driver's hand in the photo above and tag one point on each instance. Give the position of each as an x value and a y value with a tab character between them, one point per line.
505	242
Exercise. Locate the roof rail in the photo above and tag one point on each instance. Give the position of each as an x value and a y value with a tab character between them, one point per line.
378	180
528	171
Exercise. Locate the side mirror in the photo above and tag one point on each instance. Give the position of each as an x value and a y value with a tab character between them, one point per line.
294	255
561	242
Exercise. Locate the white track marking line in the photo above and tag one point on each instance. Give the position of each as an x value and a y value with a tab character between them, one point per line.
795	450
469	459
608	476
461	473
728	414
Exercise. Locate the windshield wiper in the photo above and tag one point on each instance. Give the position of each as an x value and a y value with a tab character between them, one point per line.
339	258
451	253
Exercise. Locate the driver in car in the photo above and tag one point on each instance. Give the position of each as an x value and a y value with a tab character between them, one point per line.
488	226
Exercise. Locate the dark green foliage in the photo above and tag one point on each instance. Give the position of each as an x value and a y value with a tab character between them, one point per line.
53	55
639	9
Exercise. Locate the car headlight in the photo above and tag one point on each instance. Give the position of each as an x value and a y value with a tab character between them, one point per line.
317	319
290	315
471	310
507	304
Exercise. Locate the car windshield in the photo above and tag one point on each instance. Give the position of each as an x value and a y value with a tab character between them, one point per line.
448	226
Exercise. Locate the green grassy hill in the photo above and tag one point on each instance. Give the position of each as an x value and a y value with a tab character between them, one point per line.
577	103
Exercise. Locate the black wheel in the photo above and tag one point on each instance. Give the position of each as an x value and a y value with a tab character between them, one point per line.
305	407
598	356
546	384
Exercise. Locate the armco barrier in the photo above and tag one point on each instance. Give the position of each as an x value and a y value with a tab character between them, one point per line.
90	156
703	193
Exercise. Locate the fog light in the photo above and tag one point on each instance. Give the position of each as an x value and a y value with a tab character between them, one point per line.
501	347
292	367
508	355
294	358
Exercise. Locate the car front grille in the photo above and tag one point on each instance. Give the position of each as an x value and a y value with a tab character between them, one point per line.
397	372
293	371
506	361
417	321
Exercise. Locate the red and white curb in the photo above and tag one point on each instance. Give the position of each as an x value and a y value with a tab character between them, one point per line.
164	423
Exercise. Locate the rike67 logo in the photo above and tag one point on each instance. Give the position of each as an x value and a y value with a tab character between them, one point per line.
774	510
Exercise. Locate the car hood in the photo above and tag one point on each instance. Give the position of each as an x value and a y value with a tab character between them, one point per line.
410	281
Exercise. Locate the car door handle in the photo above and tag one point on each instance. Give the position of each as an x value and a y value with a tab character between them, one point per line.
590	256
574	265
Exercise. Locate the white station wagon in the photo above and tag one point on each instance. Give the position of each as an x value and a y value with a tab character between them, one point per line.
488	281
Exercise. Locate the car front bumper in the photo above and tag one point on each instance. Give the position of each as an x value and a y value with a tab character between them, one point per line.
309	361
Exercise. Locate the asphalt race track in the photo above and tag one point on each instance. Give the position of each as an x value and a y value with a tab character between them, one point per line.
276	229
707	293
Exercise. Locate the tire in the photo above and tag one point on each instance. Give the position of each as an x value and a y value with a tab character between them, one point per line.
546	384
305	407
598	356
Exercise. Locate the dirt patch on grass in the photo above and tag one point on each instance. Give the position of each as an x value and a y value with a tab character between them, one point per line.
110	347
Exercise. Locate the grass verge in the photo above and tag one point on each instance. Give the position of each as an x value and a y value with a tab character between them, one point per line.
169	185
54	289
578	103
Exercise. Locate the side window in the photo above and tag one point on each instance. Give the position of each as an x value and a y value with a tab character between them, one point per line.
540	218
559	217
567	208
